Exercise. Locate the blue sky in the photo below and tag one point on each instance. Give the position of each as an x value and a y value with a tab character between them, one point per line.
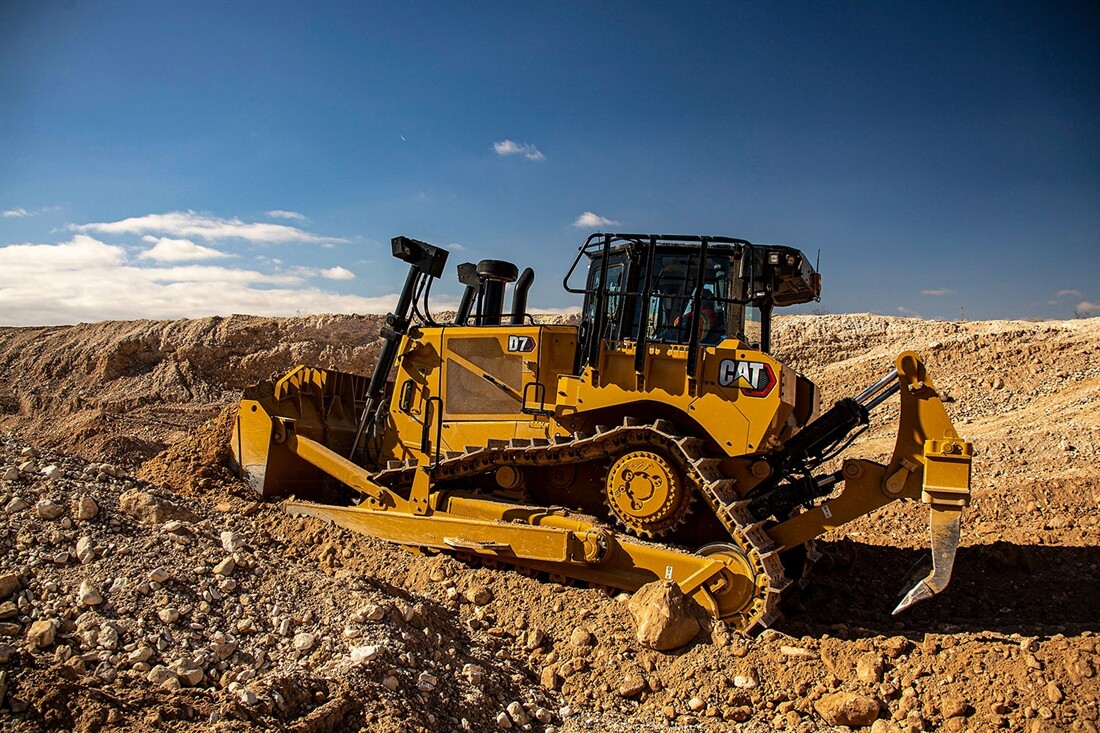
165	160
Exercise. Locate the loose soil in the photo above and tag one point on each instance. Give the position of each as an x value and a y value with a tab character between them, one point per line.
219	612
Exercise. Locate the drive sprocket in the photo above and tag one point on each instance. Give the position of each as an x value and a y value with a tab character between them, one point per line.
646	493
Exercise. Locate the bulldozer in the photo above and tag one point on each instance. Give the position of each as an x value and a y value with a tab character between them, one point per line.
656	439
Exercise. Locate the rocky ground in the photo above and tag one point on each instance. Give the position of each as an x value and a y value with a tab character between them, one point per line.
143	587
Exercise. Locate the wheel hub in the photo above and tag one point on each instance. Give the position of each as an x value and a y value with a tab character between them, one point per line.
646	493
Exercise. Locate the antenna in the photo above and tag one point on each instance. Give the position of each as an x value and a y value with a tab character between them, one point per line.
817	269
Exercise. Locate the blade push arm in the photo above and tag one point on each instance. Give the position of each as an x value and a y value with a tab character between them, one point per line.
929	462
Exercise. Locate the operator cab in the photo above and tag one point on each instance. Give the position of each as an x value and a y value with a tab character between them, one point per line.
687	290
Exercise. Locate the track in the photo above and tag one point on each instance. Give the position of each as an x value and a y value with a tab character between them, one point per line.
749	545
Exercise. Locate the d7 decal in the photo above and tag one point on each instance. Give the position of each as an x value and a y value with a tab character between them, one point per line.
522	344
753	378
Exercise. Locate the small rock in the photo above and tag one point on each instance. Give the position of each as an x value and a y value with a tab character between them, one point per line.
189	673
9	583
390	683
85	551
247	697
85	508
51	472
160	674
543	715
361	654
372	612
503	721
479	595
845	708
168	615
745	682
952	706
534	639
7	652
141	654
1054	692
549	677
15	505
633	685
149	509
518	715
108	637
226	566
664	617
696	704
30	452
303	642
895	646
426	681
869	669
159	575
224	650
232	542
42	633
11	473
49	509
8	609
473	673
580	636
89	594
797	652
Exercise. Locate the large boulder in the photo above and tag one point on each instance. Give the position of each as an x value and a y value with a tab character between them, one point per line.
664	616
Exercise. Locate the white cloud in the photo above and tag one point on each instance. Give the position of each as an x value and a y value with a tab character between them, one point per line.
455	247
337	273
284	214
510	147
20	212
187	224
85	279
937	292
1069	294
1086	308
588	220
82	253
909	312
178	250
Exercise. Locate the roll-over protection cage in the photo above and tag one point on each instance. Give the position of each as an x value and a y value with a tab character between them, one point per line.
684	289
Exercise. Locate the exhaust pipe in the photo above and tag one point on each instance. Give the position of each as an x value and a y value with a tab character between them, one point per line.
493	276
519	296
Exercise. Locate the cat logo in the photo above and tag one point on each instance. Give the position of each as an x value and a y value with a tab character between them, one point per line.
753	378
523	344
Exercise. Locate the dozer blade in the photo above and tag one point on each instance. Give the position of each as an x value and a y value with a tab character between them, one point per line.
724	584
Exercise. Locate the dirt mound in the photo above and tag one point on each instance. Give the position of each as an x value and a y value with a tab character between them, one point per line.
123	391
241	617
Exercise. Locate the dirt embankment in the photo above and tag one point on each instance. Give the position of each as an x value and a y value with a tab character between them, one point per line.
142	587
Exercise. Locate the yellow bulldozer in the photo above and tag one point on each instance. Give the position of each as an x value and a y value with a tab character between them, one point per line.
657	439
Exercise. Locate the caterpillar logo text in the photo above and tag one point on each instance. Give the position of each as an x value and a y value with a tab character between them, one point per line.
524	344
753	378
